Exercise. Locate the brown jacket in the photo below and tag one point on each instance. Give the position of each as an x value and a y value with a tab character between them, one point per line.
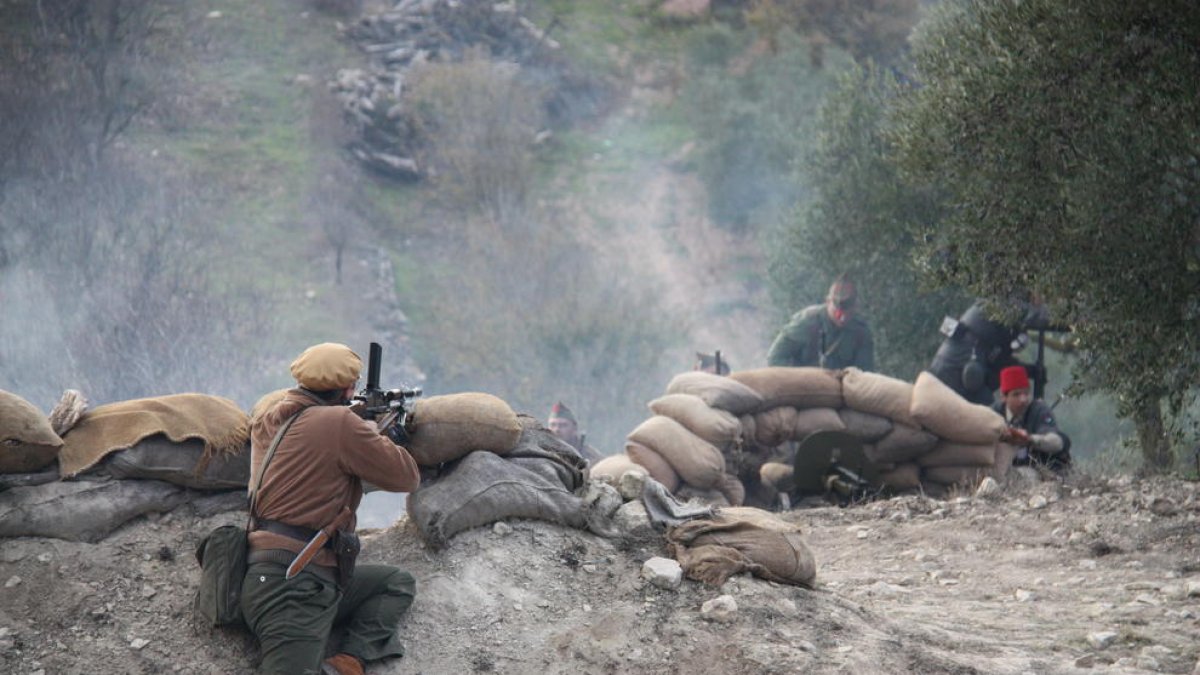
319	466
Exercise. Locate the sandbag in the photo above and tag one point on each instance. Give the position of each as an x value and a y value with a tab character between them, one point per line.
749	429
941	410
159	458
658	468
1005	454
34	445
902	444
696	461
611	468
949	453
906	476
866	427
956	476
879	395
796	387
84	510
265	403
448	427
719	427
537	443
718	392
812	420
484	488
732	489
740	539
773	427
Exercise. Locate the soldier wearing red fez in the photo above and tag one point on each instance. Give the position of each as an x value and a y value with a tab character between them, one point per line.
562	423
831	335
1031	425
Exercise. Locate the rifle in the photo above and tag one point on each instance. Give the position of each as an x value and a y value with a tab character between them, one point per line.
390	409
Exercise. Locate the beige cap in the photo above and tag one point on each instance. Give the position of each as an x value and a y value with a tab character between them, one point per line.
327	366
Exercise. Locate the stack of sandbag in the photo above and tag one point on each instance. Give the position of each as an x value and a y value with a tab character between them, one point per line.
535	477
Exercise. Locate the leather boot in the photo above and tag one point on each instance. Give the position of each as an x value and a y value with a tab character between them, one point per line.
342	664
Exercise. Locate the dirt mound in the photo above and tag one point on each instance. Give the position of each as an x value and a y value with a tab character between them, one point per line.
1091	576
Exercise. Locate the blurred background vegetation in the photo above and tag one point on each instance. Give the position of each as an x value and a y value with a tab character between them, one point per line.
180	209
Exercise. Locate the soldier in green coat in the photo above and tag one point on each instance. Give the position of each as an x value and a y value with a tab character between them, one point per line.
831	335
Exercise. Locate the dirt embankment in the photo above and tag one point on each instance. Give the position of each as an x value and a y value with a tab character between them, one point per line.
1087	577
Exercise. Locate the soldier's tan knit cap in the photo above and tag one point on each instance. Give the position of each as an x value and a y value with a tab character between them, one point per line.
327	366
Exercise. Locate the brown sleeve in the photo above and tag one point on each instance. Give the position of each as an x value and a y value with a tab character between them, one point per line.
373	457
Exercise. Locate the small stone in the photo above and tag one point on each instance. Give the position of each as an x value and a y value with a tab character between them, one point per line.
1023	595
633	520
1157	651
662	572
722	609
1147	599
1101	639
1038	502
12	582
214	14
1087	564
988	487
139	644
1192	589
631	485
502	529
148	592
783	606
863	534
1086	661
1146	663
45	557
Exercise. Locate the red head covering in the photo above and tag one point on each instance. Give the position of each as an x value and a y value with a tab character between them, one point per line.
1013	377
561	411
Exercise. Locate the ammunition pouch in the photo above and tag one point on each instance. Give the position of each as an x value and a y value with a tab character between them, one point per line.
346	546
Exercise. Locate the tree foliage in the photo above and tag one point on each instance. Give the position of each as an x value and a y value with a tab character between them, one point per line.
857	218
1067	134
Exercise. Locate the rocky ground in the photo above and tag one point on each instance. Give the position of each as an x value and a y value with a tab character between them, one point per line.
1090	576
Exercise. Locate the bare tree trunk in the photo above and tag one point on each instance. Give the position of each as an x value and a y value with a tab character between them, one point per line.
1152	437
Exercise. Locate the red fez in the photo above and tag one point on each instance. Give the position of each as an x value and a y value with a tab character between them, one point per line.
561	411
1013	377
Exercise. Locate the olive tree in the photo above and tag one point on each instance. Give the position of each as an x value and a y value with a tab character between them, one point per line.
857	217
1066	134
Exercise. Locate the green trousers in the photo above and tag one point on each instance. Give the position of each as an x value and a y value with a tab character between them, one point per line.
293	618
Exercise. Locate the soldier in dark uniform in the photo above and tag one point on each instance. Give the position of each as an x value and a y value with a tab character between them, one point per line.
1031	425
562	424
831	335
977	348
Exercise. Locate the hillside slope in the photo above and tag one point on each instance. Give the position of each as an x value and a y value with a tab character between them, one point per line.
1094	577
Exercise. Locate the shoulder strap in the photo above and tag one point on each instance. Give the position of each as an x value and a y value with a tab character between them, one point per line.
271	453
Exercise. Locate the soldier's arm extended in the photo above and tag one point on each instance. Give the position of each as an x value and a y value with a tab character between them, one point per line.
789	347
1044	434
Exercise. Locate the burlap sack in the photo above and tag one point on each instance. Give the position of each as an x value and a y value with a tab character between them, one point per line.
795	387
740	539
658	468
777	475
732	488
948	453
719	427
902	444
159	458
611	468
941	410
35	444
265	403
967	477
1005	454
905	476
717	391
879	395
484	488
695	460
773	427
812	420
448	427
866	427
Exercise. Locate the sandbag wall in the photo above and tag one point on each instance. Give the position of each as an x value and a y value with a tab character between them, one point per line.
712	433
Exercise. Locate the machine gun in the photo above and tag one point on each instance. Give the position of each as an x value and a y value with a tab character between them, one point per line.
390	409
833	464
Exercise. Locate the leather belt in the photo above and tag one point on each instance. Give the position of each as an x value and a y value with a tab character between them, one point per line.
301	534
